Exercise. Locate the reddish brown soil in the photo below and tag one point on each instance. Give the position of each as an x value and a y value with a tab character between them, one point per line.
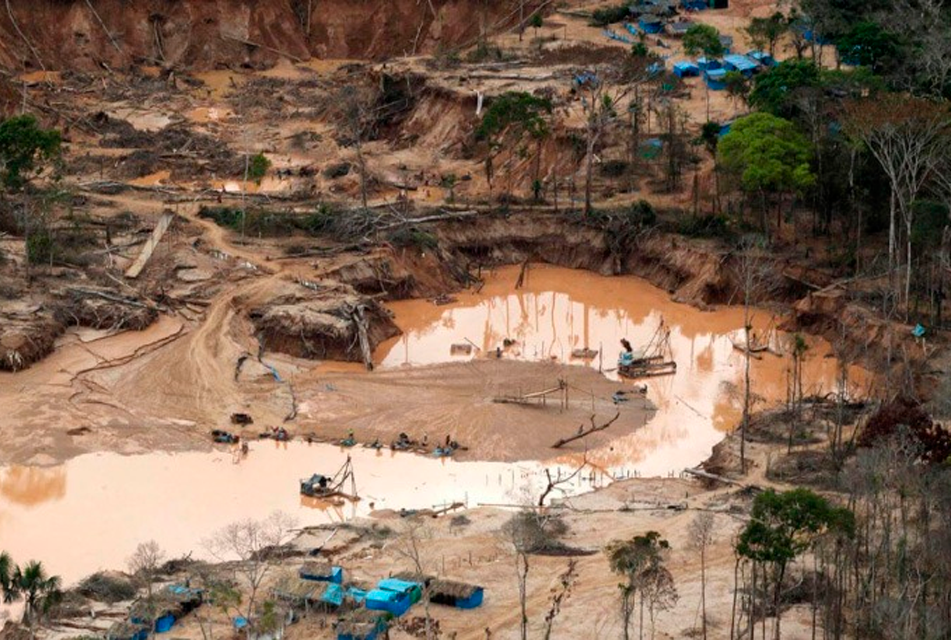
233	33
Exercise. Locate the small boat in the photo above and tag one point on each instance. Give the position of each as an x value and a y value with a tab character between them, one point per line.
316	485
224	437
585	354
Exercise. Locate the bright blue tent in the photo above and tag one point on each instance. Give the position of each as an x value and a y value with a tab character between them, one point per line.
321	573
389	601
715	79
412	589
762	58
686	70
707	64
650	24
741	64
164	623
333	594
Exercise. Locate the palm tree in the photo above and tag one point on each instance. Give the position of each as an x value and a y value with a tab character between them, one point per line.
6	574
39	591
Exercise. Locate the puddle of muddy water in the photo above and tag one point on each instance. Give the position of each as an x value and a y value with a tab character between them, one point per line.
91	512
560	310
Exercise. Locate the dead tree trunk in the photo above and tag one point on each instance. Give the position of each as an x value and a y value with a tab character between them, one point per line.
358	315
583	433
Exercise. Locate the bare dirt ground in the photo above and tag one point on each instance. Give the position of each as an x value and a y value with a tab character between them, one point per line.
148	139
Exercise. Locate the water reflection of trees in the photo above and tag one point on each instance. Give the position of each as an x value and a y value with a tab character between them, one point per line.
30	486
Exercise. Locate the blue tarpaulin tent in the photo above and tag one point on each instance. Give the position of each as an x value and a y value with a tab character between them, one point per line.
707	64
321	572
389	601
333	594
411	589
715	79
762	58
741	64
686	70
651	24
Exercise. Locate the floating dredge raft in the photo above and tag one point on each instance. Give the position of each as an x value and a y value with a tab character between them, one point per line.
656	359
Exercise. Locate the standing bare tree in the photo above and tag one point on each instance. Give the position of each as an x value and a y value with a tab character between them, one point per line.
144	566
354	116
255	544
410	547
700	535
604	88
907	136
565	582
752	274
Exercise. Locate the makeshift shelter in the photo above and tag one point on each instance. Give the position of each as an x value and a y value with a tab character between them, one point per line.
686	70
740	64
715	79
357	631
707	64
761	58
187	598
125	630
413	590
455	594
694	5
632	29
679	28
321	572
650	148
650	24
361	625
161	613
727	42
389	601
309	595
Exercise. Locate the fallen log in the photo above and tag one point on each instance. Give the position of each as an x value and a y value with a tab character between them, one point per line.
699	473
157	233
251	43
586	432
111	298
448	215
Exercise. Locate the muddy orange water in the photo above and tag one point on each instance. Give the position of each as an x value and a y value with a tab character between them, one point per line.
558	311
90	512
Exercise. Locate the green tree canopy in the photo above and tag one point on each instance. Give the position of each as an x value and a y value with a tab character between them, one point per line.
867	44
703	39
783	525
24	145
515	109
768	155
765	32
776	90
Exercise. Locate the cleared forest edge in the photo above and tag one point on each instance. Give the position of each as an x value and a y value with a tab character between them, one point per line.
90	34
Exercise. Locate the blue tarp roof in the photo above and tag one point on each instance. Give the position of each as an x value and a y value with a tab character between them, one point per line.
716	74
686	66
394	584
740	63
333	594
